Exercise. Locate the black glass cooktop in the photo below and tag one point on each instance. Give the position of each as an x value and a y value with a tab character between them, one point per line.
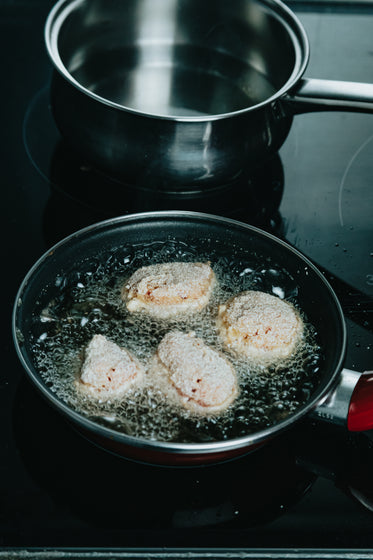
312	488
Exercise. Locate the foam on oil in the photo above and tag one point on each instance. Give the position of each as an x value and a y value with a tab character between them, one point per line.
88	301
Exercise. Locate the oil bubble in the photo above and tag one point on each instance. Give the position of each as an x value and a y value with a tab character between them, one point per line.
88	302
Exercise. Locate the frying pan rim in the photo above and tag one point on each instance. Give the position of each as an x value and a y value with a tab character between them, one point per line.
287	18
175	447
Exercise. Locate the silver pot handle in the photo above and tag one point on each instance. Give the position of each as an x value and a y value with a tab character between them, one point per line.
351	403
330	95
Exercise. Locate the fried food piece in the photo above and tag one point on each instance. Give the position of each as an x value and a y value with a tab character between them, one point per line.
108	371
195	375
259	325
168	289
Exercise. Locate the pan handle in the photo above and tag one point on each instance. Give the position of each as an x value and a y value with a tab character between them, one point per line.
351	403
311	94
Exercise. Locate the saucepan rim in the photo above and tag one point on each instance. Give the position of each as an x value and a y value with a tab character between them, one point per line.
288	19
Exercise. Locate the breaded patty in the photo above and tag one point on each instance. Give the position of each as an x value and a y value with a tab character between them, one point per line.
259	325
167	289
108	371
195	375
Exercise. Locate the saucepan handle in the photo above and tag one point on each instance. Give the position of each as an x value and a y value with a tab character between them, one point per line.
329	95
351	403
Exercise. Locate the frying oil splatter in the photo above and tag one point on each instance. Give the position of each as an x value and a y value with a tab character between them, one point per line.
87	301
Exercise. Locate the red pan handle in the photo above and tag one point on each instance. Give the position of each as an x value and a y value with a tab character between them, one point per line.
360	411
351	403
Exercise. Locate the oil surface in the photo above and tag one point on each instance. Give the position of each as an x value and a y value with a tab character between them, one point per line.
87	301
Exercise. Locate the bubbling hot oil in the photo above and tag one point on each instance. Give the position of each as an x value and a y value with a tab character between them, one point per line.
89	302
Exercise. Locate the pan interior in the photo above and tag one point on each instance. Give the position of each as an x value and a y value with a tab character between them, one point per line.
51	301
177	58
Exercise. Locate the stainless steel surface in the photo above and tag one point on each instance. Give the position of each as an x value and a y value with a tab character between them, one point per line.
175	95
336	406
326	95
177	58
156	93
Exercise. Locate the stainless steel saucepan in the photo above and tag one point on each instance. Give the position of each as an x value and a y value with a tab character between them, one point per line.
177	95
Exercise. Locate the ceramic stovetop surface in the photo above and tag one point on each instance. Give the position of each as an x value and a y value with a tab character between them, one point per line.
310	489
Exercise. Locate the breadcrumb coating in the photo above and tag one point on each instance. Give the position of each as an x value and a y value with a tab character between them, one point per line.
258	325
167	289
195	375
108	371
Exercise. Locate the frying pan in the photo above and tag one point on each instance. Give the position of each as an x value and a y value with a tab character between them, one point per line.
183	95
339	396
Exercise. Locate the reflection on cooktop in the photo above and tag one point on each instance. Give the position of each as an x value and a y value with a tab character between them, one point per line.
260	194
115	494
243	493
344	458
86	195
54	160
